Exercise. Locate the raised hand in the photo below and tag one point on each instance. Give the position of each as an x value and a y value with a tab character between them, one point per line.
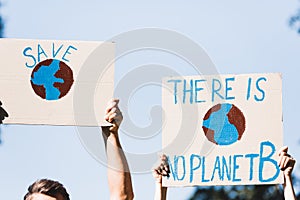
114	115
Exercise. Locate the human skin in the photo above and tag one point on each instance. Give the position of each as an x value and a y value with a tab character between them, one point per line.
161	170
39	196
119	178
286	163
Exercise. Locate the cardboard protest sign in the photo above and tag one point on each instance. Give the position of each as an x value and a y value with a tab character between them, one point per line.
222	129
56	82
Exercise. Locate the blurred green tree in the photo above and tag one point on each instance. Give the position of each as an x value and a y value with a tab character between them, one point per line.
294	22
242	192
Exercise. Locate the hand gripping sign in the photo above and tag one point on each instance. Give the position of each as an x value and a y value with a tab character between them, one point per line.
38	80
222	129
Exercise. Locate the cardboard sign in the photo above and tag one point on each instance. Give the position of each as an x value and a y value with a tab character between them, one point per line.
222	129
56	82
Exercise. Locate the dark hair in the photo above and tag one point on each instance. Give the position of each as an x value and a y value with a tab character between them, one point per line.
47	187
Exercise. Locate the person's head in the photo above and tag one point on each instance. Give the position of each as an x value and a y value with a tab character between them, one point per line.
45	189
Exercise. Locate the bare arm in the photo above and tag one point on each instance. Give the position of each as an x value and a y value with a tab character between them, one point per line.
158	173
119	178
286	164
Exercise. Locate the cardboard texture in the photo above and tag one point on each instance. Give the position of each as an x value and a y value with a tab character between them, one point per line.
222	129
56	82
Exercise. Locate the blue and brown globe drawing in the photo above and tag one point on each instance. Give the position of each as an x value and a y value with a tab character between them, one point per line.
224	124
51	79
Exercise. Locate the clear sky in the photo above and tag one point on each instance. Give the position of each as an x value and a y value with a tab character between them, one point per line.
239	36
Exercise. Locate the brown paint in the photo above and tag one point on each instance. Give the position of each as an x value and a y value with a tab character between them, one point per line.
209	134
236	117
39	89
210	111
64	73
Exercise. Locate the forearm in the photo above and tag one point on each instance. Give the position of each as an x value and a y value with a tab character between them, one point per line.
119	178
289	193
160	192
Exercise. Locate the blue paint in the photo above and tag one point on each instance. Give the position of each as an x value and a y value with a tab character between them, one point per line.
192	166
226	169
251	156
45	77
225	133
54	53
260	90
227	88
185	90
216	167
26	54
249	88
198	89
68	52
236	167
220	89
41	52
203	171
174	168
267	159
216	89
175	89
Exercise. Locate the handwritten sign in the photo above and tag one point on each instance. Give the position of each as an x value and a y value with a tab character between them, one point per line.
41	81
222	129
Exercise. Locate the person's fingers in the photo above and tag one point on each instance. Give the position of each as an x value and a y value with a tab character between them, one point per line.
117	117
162	168
164	158
292	162
111	104
165	163
282	155
280	160
3	112
283	149
167	168
164	173
110	114
112	117
159	171
286	162
113	112
283	162
155	174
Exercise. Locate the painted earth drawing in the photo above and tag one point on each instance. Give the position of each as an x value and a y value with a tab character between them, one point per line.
52	79
224	124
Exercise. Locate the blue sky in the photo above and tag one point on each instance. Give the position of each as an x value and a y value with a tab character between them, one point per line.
239	36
